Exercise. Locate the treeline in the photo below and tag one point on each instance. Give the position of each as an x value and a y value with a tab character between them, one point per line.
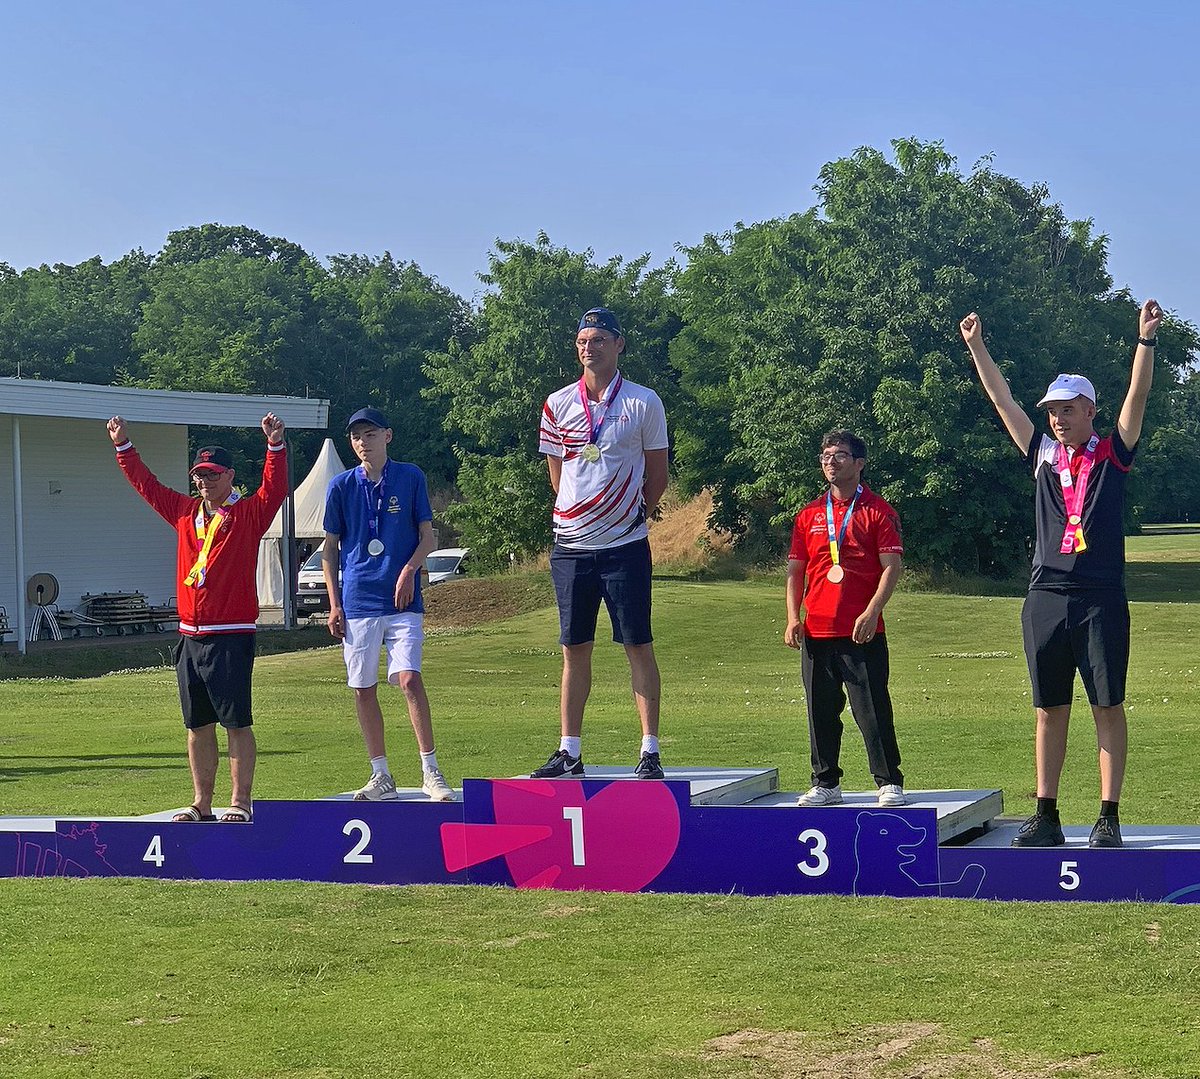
758	339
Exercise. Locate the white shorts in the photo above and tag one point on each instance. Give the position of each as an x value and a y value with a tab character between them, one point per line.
402	635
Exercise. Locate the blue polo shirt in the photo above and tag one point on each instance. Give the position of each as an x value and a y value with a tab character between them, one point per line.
398	503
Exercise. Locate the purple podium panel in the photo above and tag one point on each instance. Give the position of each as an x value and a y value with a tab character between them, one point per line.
343	842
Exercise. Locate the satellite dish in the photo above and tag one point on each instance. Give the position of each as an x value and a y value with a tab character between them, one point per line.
42	589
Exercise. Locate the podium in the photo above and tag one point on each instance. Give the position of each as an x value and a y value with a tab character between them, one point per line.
700	830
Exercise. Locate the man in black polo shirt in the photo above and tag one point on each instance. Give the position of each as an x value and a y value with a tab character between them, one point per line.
1076	616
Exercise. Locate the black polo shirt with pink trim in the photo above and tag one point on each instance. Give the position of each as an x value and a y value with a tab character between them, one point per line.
1102	564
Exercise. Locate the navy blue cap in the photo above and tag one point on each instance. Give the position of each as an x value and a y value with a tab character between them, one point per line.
368	415
601	318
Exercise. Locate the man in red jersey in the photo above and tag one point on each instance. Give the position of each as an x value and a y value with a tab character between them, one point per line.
217	536
843	566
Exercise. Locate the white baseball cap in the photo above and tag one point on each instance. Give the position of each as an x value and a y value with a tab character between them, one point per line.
1065	387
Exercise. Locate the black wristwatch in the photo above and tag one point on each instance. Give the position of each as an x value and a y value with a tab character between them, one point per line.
1149	342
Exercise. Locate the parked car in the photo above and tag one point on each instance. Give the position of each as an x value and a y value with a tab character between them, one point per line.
312	597
446	564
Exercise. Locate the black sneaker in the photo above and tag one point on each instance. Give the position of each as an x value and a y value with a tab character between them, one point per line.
649	767
1107	833
1040	831
561	765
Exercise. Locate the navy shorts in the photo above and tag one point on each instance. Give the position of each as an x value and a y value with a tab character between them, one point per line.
213	672
1077	631
618	575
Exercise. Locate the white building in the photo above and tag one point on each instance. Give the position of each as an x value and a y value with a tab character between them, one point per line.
65	506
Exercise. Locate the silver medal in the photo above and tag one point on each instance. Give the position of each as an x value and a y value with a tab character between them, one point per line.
375	547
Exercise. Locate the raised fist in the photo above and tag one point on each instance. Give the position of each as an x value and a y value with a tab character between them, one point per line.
1148	319
116	431
272	427
971	329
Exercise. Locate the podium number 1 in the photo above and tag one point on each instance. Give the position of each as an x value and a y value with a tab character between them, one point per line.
574	816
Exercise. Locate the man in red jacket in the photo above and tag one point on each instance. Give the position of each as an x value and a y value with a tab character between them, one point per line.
217	538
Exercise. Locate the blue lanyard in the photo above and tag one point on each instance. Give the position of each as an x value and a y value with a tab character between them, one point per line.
374	512
836	538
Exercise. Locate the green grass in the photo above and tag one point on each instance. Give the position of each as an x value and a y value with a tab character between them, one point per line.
139	978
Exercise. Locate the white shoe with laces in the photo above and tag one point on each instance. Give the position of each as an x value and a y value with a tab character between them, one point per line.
821	796
434	784
892	794
381	787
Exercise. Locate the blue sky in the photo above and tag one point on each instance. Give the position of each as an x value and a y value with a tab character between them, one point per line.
432	129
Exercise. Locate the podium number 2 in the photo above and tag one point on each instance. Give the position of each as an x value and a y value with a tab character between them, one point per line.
817	862
356	855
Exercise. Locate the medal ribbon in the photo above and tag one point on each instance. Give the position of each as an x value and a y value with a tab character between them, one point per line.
593	427
206	532
1073	492
374	512
836	537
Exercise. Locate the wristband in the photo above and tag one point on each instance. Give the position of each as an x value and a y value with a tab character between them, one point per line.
1149	342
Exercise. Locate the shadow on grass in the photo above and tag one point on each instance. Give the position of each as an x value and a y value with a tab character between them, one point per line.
1163	582
100	762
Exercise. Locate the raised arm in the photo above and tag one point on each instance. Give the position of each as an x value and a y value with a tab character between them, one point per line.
1019	425
1133	411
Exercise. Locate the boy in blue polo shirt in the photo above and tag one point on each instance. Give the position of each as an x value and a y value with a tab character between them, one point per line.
378	530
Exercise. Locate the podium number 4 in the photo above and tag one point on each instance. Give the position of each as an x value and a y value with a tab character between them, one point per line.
154	852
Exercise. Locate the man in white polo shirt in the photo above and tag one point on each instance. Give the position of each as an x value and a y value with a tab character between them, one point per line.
605	441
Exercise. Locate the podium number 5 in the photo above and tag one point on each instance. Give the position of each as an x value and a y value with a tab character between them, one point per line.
1068	878
817	862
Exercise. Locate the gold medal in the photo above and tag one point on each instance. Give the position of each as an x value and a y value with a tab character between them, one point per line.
835	574
591	453
1074	518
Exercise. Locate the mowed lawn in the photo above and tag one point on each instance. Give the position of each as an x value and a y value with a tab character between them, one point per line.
138	978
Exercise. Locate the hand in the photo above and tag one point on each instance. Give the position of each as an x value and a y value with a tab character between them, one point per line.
116	431
405	587
971	329
272	427
864	626
793	636
1148	319
336	623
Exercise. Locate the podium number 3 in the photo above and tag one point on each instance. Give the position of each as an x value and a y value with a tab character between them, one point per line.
817	862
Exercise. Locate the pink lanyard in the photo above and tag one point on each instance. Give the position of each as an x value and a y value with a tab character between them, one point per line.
1073	494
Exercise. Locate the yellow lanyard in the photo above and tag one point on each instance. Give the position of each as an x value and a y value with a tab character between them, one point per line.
206	533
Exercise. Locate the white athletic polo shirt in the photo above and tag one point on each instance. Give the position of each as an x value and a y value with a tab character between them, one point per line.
599	503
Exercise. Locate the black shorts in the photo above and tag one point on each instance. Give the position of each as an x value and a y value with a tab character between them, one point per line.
213	672
618	575
1077	631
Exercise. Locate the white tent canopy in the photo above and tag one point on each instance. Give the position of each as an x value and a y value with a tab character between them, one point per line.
309	503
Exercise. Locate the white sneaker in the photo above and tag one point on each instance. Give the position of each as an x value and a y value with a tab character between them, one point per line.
821	796
381	787
434	784
892	794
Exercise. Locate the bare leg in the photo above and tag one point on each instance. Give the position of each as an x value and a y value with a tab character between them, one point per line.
413	687
202	758
370	719
1051	748
647	685
1112	736
243	752
576	686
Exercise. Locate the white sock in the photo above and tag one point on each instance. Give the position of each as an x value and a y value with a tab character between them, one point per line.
571	745
649	743
429	761
379	766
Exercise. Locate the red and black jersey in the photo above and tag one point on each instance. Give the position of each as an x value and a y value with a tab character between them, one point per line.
1102	564
228	600
830	610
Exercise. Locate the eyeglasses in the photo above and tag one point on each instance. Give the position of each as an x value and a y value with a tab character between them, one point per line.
209	476
840	457
595	342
